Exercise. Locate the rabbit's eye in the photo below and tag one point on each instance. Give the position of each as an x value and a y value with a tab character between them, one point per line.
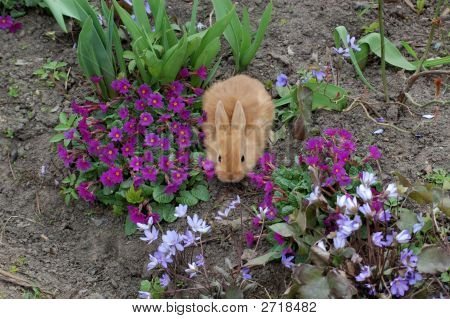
242	159
220	159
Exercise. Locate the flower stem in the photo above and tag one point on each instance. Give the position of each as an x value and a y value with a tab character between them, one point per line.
434	26
383	53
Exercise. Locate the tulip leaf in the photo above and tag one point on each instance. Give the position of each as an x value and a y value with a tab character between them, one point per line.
129	227
262	260
392	54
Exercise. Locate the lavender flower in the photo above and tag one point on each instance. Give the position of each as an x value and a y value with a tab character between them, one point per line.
352	44
368	179
314	196
145	295
180	210
172	238
417	227
413	277
399	286
318	74
198	225
192	270
391	191
341	51
287	261
245	273
282	80
404	237
164	280
199	260
408	258
365	193
364	274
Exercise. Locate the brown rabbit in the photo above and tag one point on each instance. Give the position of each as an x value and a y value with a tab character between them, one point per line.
239	118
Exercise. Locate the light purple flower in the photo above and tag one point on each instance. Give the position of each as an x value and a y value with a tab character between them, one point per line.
391	191
153	262
341	51
192	270
404	237
368	178
172	238
399	286
417	227
164	280
198	225
352	44
145	295
245	273
318	74
408	258
150	235
314	196
282	80
287	261
364	274
365	193
199	260
180	210
413	277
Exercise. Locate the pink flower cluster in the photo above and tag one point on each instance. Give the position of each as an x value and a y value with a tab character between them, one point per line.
143	135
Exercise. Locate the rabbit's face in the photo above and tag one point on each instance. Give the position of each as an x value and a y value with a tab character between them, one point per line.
230	149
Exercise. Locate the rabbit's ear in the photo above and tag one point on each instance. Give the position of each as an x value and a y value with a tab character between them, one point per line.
222	119
238	121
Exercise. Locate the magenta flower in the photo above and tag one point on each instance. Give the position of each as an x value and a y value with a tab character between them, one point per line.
136	216
96	79
149	173
84	192
198	91
16	26
130	126
148	157
64	155
202	72
140	105
112	177
146	119
144	91
165	164
127	150
115	134
374	152
250	239
178	176
278	238
184	73
82	164
122	86
151	140
123	113
136	163
155	100
6	22
176	104
164	143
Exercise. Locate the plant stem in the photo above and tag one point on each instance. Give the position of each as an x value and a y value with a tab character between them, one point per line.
383	53
434	26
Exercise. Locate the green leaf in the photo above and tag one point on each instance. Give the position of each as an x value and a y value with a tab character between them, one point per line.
201	192
263	260
407	219
249	54
134	196
160	196
173	60
284	229
311	282
392	54
130	227
186	198
166	211
141	15
61	8
341	287
145	286
56	138
433	259
409	49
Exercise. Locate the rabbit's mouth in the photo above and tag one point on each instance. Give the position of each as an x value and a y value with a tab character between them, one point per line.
230	178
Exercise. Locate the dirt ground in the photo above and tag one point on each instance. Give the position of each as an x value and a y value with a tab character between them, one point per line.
81	251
